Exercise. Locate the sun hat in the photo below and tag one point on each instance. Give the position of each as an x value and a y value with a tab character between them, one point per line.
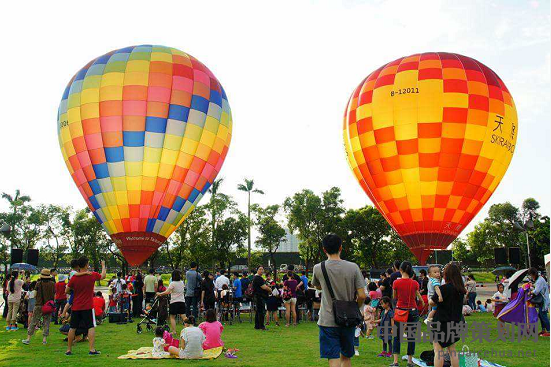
45	273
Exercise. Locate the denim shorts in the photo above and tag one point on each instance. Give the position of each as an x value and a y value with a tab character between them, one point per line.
335	341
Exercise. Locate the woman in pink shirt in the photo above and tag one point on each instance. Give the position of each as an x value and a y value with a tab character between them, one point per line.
212	329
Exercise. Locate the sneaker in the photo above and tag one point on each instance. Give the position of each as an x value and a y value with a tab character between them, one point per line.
68	353
427	321
94	352
382	354
356	353
25	341
546	334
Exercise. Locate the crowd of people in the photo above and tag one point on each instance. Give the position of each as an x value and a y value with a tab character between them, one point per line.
395	303
397	300
74	304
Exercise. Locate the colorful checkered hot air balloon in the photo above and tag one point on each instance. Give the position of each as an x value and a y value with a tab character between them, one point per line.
429	137
144	131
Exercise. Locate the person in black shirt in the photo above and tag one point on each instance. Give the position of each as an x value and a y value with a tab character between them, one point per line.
396	274
207	291
423	282
244	285
386	287
261	292
447	312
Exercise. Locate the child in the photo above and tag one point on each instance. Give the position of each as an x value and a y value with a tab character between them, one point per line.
374	293
124	298
433	286
369	318
480	307
386	323
159	343
272	305
191	341
113	300
489	305
31	300
212	329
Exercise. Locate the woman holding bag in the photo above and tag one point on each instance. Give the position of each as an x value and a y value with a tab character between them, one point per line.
406	293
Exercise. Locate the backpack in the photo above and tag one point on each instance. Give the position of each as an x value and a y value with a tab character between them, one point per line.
287	294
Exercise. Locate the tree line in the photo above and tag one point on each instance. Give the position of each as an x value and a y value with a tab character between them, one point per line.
217	233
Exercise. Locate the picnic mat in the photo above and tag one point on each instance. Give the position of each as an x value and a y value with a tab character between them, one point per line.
481	363
145	353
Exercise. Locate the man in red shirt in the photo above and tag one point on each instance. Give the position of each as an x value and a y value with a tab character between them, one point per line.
82	311
60	297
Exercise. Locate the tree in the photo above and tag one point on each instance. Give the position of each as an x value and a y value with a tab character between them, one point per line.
230	235
368	233
481	241
56	220
462	252
190	241
302	211
314	217
17	212
271	233
248	187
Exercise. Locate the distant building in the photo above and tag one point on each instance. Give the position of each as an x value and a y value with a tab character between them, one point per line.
289	244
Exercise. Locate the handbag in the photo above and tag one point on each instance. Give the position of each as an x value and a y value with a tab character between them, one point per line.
401	315
347	313
48	308
468	359
537	299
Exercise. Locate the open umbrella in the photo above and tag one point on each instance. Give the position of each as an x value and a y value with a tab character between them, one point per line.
516	278
502	270
23	266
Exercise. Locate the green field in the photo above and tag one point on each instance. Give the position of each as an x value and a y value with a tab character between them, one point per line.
278	346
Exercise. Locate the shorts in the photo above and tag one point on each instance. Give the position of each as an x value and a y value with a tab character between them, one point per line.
290	300
83	319
335	341
177	308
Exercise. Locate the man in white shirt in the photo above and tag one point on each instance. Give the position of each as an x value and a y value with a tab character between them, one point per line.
117	283
221	280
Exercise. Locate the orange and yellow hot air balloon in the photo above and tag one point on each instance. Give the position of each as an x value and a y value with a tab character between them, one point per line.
144	131
429	137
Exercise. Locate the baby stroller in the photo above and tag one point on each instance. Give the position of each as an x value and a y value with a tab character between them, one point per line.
154	316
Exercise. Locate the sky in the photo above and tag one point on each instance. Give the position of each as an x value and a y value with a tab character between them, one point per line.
288	68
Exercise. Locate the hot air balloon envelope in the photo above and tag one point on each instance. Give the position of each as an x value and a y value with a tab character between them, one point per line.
429	137
144	131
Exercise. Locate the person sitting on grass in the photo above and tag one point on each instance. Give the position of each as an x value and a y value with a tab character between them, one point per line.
159	343
480	307
489	305
81	333
191	341
212	329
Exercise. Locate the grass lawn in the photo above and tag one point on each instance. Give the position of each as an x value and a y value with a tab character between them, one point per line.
484	277
278	346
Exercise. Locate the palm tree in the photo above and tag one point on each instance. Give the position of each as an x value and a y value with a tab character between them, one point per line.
248	187
15	203
213	191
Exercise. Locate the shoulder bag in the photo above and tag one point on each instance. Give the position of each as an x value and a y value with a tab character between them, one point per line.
347	313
